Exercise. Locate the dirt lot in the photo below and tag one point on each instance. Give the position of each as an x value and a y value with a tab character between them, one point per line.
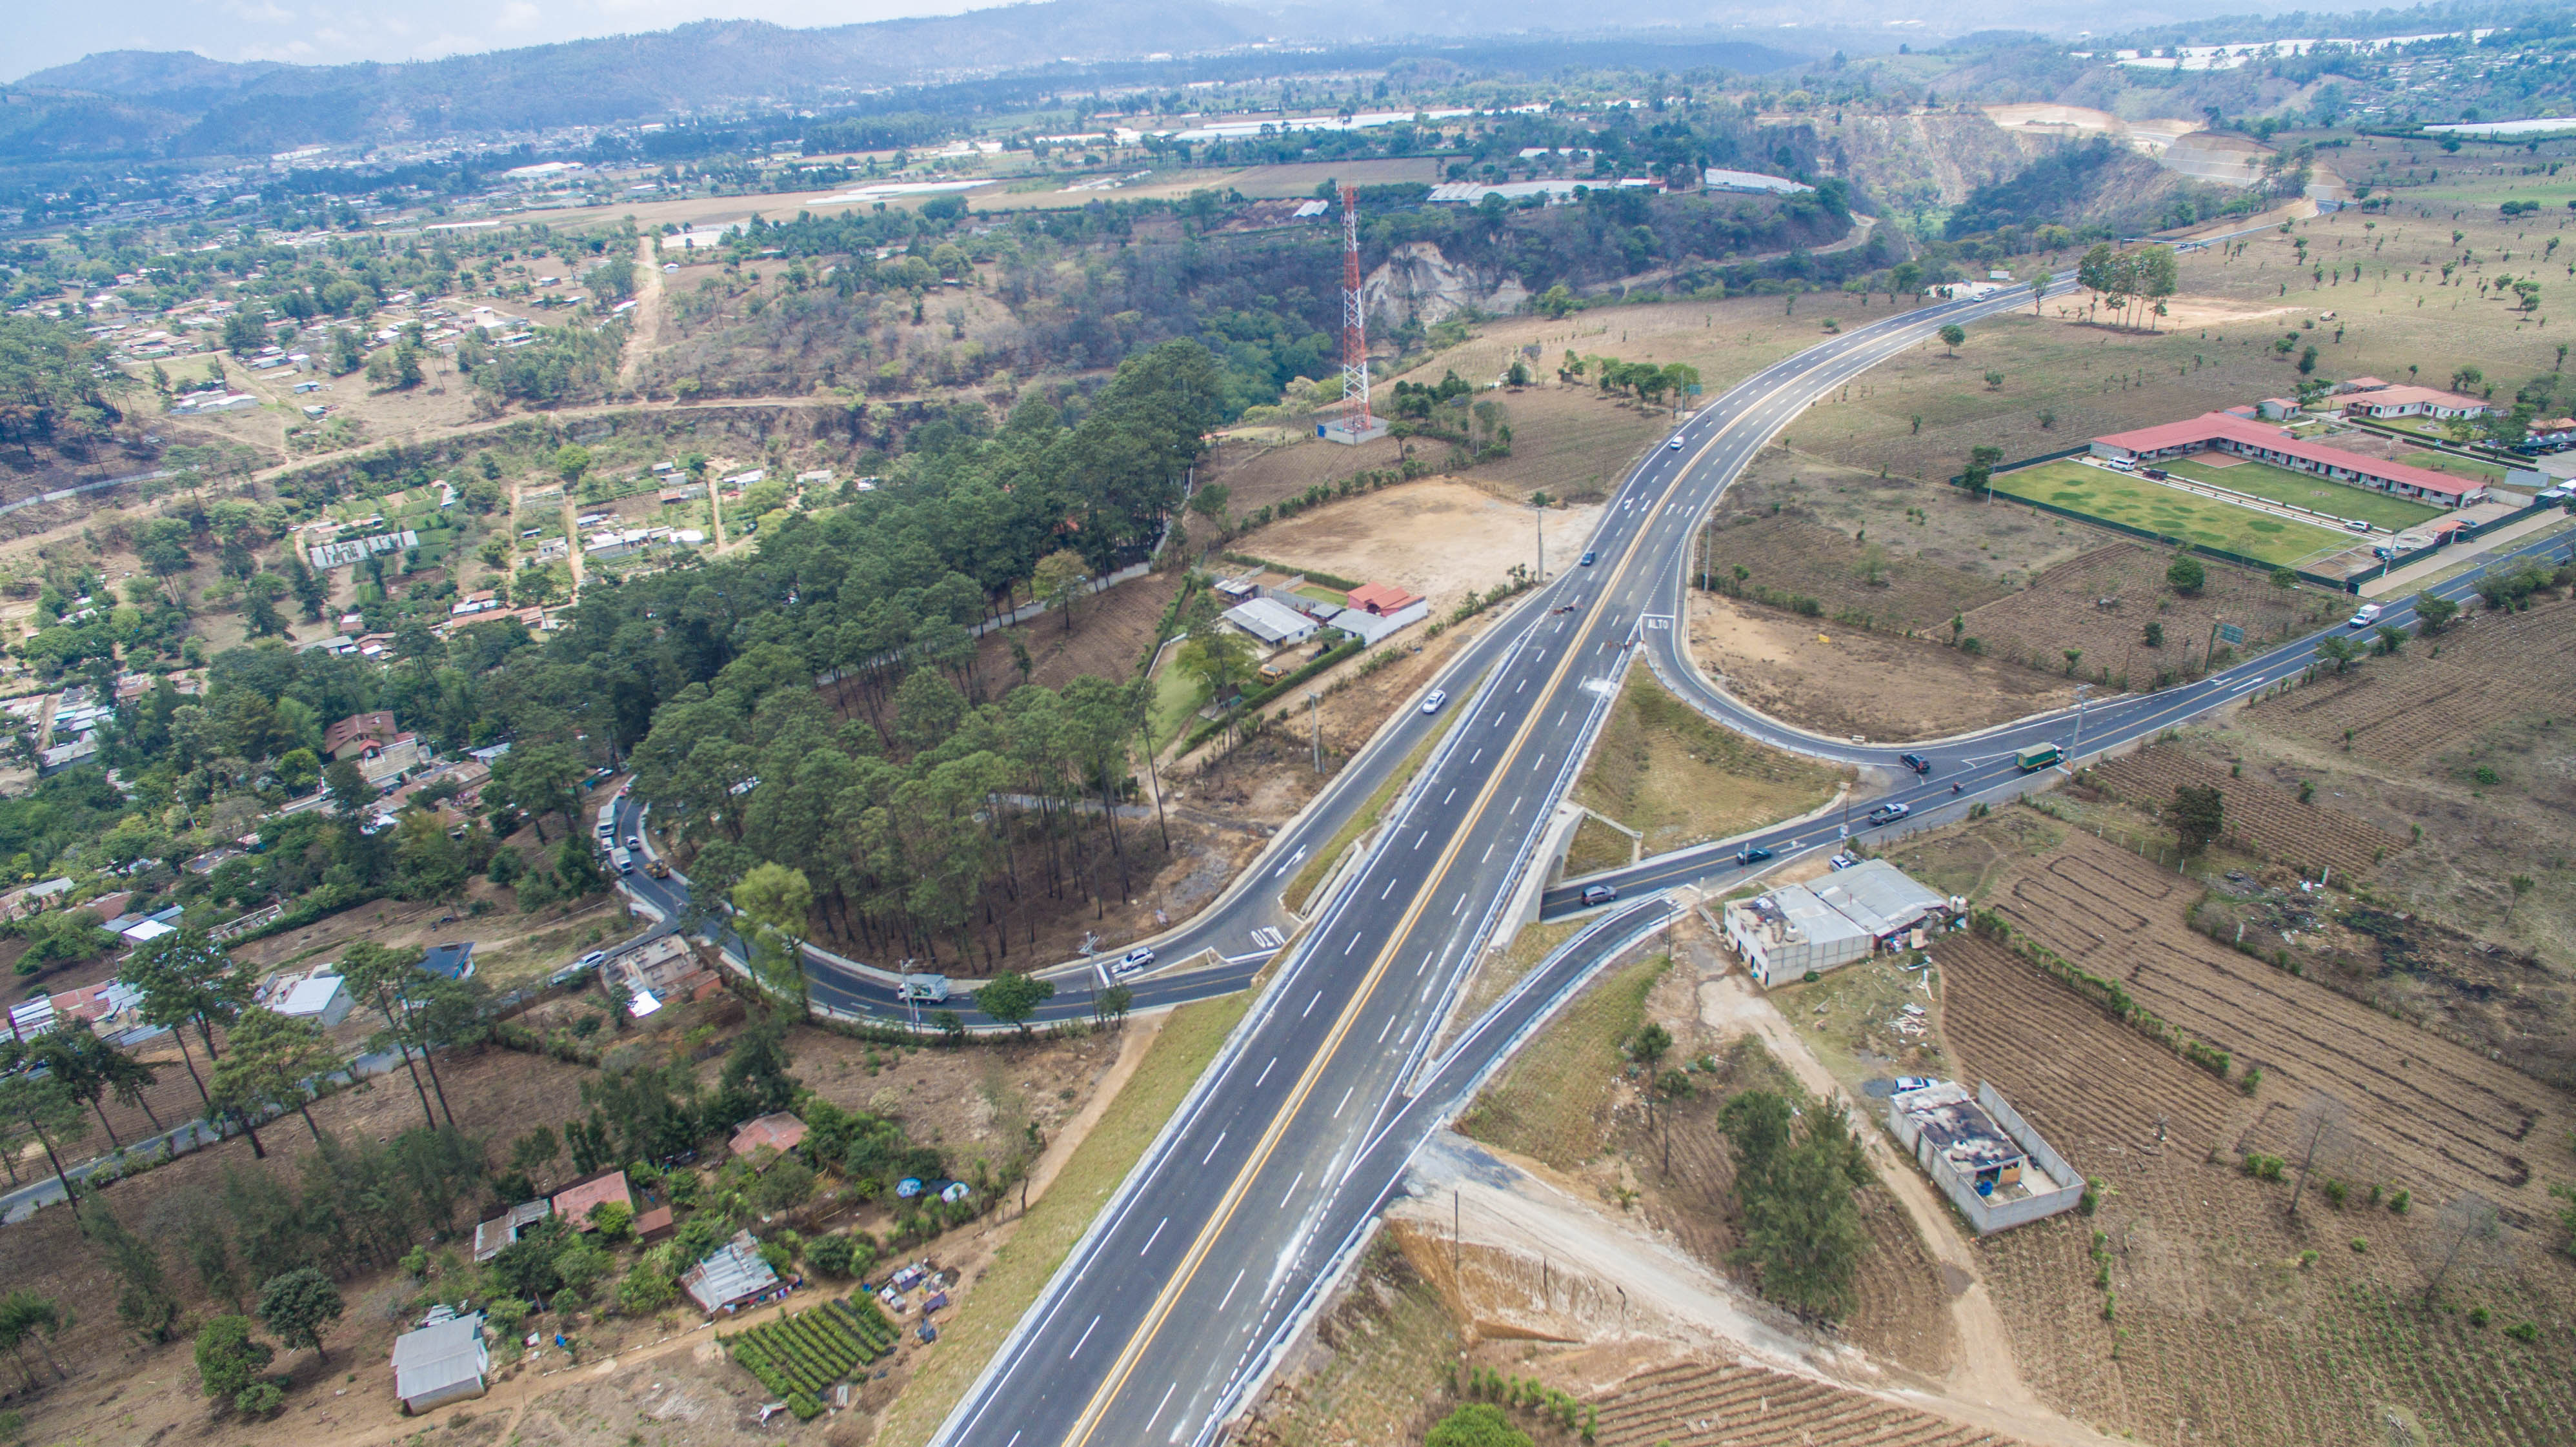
1108	639
2099	604
1255	470
1662	769
1840	681
2221	1333
1438	537
1567	442
1901	555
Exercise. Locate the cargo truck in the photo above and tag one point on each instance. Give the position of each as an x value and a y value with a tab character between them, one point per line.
2037	756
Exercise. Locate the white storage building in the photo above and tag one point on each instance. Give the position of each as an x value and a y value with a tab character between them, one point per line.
1786	933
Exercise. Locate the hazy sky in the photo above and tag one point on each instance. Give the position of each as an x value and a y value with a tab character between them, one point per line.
312	33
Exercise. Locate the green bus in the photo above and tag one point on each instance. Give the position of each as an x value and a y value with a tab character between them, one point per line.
2037	756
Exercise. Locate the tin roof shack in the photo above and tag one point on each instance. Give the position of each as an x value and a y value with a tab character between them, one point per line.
444	1361
1983	1155
734	1276
1788	932
1879	898
493	1236
780	1131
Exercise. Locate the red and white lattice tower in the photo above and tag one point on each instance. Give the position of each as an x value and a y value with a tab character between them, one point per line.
1355	371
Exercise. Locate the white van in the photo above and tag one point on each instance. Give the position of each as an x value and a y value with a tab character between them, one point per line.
624	861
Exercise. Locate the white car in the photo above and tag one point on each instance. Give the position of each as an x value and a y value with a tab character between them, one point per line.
1132	962
1675	444
1435	701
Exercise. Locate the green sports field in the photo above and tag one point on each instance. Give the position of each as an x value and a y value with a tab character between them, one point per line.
2170	512
2280	484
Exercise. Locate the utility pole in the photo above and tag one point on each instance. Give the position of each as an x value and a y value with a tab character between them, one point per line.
2081	689
1317	720
1538	529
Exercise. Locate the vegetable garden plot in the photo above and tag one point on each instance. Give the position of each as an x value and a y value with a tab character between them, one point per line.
2270	819
800	1355
2448	1119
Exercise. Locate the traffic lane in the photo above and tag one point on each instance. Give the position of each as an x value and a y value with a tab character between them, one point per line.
1299	1145
1215	1145
1285	992
1314	1148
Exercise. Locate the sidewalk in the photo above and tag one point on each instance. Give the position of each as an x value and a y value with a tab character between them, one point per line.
2407	579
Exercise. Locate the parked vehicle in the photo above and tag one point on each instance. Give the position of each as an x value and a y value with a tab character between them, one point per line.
1600	893
1433	703
1916	762
1842	861
1905	1083
2037	756
2157	473
624	861
2368	615
1751	854
1889	813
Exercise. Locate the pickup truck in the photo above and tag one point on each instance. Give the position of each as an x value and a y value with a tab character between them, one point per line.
1888	813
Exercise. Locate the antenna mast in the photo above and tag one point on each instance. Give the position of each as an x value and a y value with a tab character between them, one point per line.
1355	373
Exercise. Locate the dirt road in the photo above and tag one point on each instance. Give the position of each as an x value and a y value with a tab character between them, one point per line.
1985	1375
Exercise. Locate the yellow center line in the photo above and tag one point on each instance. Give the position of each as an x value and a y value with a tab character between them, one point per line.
1169	1297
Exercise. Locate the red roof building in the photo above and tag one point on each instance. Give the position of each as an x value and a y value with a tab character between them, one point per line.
780	1131
352	735
1382	599
575	1202
2220	432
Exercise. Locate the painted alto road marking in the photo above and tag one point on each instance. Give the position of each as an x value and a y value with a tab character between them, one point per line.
1211	1155
1077	1346
1157	1236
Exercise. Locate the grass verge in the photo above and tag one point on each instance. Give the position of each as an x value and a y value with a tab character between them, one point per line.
1663	769
1554	1105
1024	1264
1322	862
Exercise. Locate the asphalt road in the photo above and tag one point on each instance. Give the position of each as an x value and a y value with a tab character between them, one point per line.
1284	1151
1158	1319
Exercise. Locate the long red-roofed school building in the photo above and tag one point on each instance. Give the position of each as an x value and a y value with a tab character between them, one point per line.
2226	432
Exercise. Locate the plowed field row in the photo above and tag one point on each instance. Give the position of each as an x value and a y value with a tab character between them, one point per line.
1704	1405
2270	818
2398	710
2447	1118
2079	1076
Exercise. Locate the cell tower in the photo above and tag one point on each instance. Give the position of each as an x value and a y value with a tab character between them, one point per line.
1357	424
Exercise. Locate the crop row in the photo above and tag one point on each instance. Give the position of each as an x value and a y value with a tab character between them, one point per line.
806	1352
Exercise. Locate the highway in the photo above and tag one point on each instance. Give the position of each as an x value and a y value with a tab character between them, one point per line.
1166	1310
1171	1307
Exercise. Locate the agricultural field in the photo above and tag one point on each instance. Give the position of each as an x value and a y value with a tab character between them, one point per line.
2488	667
2438	1119
1729	1404
2191	1306
1923	530
1662	769
2263	819
2299	489
2170	512
2101	603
